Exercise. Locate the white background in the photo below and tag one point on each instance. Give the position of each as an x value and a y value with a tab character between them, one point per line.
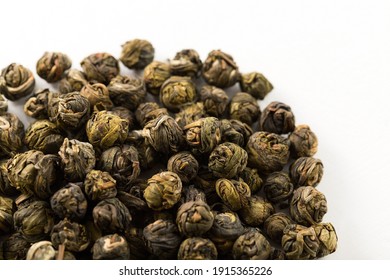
329	60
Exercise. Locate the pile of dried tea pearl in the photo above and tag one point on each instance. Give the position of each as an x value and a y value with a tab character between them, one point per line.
162	164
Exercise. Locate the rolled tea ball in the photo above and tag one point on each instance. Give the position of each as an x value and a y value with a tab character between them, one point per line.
111	247
126	114
3	105
15	247
72	235
219	69
252	178
176	92
306	171
105	130
308	206
137	53
278	188
155	74
304	142
268	152
244	107
278	118
70	111
164	134
163	239
235	131
197	248
32	172
97	95
11	134
73	80
6	215
203	135
37	105
300	243
44	136
227	227
99	185
122	162
111	215
275	224
135	202
42	250
6	188
215	100
277	254
149	111
205	181
163	190
227	160
234	194
127	91
137	243
185	165
147	155
34	220
194	218
186	63
327	237
255	84
69	202
190	113
257	211
251	245
77	158
100	67
16	81
52	65
66	256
